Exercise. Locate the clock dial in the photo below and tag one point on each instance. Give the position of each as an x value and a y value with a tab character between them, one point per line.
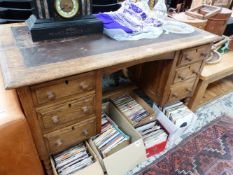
67	8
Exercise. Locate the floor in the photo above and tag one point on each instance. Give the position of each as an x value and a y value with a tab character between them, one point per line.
206	113
214	89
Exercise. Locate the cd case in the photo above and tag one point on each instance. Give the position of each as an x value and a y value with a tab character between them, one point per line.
111	138
94	167
139	103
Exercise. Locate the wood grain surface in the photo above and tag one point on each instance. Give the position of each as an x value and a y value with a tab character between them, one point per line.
219	70
215	80
56	59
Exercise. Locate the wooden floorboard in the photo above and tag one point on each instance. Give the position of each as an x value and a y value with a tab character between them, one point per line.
218	89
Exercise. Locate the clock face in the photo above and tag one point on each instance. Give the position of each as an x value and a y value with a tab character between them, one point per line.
67	8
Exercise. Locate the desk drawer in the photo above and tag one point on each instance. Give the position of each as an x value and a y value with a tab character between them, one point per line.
187	72
58	89
181	90
74	134
55	116
194	54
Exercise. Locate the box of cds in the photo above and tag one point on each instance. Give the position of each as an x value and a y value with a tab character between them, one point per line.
181	118
119	147
155	137
133	108
143	118
76	160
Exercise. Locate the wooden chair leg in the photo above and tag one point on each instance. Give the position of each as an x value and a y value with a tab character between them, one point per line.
198	95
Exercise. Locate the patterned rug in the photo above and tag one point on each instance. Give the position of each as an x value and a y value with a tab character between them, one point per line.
207	113
207	152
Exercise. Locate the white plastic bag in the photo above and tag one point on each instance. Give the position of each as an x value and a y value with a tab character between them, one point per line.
120	35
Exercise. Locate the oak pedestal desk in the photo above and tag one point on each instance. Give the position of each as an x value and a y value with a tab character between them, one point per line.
59	83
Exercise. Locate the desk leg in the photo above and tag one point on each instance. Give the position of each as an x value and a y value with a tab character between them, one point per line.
198	95
98	100
25	97
47	166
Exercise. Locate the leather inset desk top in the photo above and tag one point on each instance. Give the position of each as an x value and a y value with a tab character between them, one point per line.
61	50
26	63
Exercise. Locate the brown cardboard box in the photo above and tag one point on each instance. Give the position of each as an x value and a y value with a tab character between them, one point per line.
121	145
122	161
93	169
140	101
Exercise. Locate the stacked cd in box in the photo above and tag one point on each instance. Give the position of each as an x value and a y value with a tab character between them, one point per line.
130	108
152	134
179	114
111	136
72	160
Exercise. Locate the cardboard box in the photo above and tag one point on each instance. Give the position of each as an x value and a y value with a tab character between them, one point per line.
119	146
164	120
157	148
164	123
125	159
93	169
174	131
151	117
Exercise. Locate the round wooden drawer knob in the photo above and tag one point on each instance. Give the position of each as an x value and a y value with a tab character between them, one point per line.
195	72
55	119
188	90
85	132
59	142
85	109
84	85
204	55
174	95
188	59
181	77
51	95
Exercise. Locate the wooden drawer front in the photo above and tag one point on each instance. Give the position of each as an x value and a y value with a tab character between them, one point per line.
181	90
59	115
187	72
62	88
63	138
194	54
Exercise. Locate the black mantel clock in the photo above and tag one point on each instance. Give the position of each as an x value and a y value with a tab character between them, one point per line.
62	18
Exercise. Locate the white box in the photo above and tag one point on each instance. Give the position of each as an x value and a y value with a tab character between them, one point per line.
93	169
173	130
122	161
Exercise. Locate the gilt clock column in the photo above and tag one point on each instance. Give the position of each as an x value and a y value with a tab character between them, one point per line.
42	9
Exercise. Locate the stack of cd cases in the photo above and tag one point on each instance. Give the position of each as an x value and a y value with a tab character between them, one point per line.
130	108
152	134
110	138
73	159
179	114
